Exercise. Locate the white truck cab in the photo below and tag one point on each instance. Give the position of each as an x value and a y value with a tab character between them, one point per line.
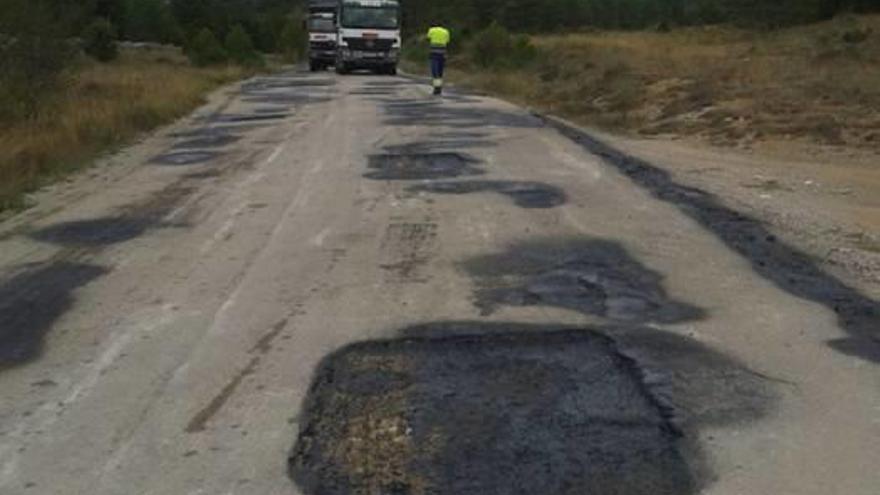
368	36
322	38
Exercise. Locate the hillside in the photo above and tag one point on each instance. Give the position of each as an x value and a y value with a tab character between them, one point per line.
817	84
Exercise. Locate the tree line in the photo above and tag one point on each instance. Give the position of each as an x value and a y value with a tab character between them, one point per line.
559	15
40	39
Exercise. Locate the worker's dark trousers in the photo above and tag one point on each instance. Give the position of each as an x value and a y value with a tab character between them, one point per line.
438	65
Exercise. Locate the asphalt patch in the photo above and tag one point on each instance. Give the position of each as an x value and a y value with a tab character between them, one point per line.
31	301
389	84
176	158
504	413
789	268
286	99
595	277
372	92
206	174
271	109
523	194
462	135
233	118
421	166
216	140
265	84
434	145
201	132
413	112
97	232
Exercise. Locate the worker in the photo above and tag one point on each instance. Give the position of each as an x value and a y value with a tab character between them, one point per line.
439	38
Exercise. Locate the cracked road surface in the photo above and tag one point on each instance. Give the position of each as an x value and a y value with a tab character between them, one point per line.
320	285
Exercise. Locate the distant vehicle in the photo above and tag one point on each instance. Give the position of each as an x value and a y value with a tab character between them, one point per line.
322	27
368	36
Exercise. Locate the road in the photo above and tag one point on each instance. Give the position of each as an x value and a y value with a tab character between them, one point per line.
326	285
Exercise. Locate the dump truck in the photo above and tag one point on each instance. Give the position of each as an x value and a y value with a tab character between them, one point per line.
368	36
323	32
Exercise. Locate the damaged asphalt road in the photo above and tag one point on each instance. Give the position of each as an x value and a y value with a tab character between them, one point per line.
323	285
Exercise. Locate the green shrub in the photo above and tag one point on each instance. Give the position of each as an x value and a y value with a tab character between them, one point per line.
99	40
522	51
495	46
240	48
856	35
292	41
764	14
205	49
489	46
149	20
34	53
416	49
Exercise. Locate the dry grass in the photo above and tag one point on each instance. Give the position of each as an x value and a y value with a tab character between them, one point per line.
105	106
728	86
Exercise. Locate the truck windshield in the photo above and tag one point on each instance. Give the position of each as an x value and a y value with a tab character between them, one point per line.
359	17
321	25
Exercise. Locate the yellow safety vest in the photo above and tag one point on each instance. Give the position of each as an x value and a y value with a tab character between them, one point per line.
439	36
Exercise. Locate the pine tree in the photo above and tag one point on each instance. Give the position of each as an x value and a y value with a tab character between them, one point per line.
205	49
240	47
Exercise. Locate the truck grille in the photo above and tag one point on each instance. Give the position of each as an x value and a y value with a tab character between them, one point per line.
361	44
323	45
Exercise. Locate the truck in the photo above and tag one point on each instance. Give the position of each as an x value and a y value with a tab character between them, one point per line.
323	32
368	36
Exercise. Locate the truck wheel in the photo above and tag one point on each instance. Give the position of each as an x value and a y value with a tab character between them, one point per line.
392	70
314	66
341	68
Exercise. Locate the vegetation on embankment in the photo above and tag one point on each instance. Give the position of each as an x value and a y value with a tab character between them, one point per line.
100	106
817	83
67	91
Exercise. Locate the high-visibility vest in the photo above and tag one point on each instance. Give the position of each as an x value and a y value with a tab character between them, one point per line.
439	37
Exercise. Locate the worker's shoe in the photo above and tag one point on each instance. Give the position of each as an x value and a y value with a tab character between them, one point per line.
438	91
